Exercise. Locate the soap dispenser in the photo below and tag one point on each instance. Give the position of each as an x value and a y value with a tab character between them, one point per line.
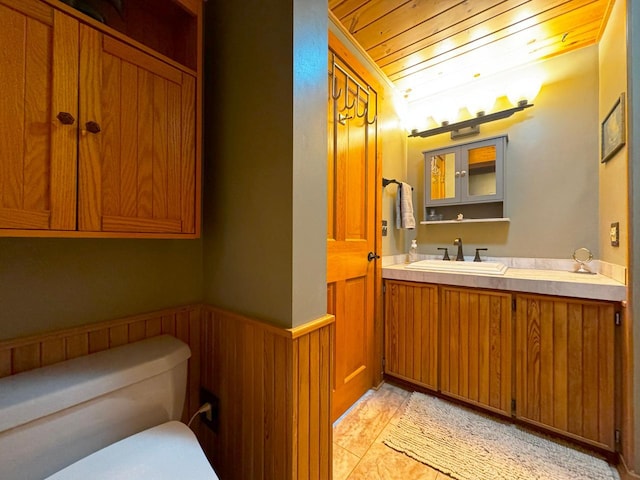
413	251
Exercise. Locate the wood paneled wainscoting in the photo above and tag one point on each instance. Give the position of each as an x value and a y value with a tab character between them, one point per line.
36	351
274	387
274	384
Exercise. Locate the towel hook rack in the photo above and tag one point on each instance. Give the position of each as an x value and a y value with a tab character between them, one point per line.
350	103
365	104
386	181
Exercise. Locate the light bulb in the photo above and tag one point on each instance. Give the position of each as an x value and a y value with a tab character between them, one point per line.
523	89
480	102
416	119
444	112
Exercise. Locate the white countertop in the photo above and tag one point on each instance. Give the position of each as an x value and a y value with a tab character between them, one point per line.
540	281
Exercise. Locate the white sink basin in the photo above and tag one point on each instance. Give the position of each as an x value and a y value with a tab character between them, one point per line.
483	268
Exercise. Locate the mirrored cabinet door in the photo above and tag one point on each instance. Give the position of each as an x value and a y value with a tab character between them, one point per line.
443	175
483	172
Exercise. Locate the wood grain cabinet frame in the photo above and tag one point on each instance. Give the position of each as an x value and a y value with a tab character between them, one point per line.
411	343
137	173
100	124
476	347
38	159
566	367
552	358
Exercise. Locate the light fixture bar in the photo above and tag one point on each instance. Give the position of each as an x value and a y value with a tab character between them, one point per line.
472	122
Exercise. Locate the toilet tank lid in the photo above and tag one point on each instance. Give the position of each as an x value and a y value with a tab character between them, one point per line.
30	395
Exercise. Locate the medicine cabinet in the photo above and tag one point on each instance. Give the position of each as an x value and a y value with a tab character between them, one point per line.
465	175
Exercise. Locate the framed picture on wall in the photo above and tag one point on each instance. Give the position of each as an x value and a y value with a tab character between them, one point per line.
613	131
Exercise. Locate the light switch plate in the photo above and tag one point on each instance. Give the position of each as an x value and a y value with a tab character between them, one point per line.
384	228
614	234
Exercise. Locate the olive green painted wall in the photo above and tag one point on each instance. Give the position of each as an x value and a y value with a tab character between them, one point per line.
551	180
265	191
552	169
49	284
613	175
309	161
265	162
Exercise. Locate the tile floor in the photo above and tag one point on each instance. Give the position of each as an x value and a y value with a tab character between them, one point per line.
358	451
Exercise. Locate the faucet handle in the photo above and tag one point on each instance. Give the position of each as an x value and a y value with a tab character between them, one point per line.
446	253
477	257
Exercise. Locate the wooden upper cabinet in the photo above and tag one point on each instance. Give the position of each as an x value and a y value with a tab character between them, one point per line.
566	367
137	171
100	124
38	54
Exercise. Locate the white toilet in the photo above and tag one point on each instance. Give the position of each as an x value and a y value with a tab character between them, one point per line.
108	415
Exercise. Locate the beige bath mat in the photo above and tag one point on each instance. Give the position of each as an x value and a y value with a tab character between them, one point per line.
468	446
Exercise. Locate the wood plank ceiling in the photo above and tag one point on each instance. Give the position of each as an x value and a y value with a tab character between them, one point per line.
426	46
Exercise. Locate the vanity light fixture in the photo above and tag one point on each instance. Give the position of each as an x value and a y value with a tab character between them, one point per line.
471	126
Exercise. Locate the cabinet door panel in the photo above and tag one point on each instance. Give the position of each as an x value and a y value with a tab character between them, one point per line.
442	183
138	173
442	177
483	167
411	332
37	151
565	370
476	340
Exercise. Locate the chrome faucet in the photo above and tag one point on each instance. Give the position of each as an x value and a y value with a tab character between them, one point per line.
460	255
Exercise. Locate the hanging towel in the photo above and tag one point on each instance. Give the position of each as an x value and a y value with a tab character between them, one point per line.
404	207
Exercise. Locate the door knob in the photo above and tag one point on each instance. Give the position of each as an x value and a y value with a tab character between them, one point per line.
372	256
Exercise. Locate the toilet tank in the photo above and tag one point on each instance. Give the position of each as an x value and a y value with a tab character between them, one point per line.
53	416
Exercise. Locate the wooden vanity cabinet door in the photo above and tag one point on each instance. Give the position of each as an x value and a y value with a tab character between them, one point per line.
565	366
411	332
37	150
476	347
138	172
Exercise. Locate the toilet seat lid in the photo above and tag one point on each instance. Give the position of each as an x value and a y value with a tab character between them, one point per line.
164	452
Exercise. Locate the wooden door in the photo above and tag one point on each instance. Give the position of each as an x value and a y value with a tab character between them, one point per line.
351	277
137	166
476	342
411	332
37	145
566	366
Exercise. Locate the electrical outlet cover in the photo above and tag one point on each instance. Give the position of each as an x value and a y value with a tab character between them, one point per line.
614	234
207	396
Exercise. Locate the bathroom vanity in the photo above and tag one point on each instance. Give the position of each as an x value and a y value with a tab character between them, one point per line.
534	345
